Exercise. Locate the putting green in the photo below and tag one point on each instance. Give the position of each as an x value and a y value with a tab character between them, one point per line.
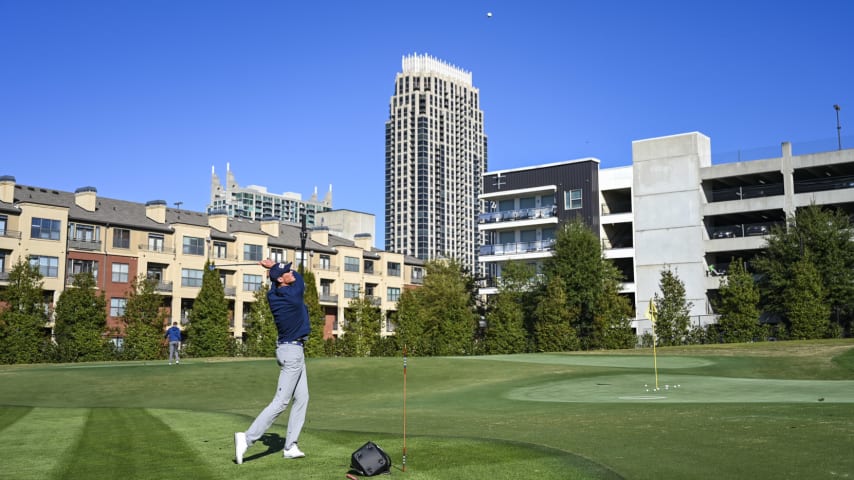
686	389
672	388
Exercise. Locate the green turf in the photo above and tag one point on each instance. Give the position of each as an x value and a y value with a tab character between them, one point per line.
771	410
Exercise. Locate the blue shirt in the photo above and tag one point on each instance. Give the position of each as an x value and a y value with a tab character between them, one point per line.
173	334
289	310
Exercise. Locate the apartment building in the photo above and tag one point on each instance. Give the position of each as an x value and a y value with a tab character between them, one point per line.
523	207
65	233
673	207
435	155
254	202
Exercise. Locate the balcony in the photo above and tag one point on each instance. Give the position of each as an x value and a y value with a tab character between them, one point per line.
4	277
84	244
518	248
163	287
375	301
328	298
10	234
516	215
325	266
230	291
156	248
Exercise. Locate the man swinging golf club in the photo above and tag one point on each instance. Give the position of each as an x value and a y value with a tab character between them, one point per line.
291	316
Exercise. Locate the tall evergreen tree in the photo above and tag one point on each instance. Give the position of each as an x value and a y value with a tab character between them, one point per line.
825	236
613	313
806	306
591	286
439	318
553	331
144	319
672	318
207	335
505	315
24	316
361	329
81	321
261	332
411	329
739	305
316	344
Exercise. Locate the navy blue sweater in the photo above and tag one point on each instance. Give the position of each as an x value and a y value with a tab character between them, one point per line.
289	310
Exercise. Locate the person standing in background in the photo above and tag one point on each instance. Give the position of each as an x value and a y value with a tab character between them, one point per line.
173	334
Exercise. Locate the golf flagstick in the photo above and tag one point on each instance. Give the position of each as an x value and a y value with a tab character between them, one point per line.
403	463
651	313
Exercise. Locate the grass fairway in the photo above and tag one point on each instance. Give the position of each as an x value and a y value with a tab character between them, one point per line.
757	411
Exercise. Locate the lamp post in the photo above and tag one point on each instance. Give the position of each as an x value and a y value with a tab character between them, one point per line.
838	127
303	234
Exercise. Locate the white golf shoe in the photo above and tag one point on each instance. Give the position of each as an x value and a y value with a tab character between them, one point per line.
293	452
240	446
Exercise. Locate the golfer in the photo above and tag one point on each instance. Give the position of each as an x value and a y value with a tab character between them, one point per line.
173	334
291	316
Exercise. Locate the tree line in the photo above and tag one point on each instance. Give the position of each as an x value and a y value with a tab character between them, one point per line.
801	286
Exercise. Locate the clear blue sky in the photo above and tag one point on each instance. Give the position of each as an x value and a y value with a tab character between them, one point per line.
140	98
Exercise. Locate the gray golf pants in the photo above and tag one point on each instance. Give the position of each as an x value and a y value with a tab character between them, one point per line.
292	384
173	351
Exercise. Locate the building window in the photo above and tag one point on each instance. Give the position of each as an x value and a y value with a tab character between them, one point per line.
48	266
527	202
121	238
393	294
351	290
253	253
45	228
77	266
325	263
369	266
117	307
278	255
393	269
220	250
572	199
194	246
191	278
351	264
300	257
3	220
252	283
417	274
120	272
84	233
155	242
155	272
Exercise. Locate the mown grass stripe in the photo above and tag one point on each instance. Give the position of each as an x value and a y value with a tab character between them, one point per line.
10	415
130	443
34	444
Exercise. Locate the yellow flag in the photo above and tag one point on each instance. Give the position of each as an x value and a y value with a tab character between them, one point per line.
651	312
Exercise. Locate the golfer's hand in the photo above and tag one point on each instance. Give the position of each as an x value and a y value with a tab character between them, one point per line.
267	263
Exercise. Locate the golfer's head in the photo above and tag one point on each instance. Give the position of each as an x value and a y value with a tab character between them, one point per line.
281	274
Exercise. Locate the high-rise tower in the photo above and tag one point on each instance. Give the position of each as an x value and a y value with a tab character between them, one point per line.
435	155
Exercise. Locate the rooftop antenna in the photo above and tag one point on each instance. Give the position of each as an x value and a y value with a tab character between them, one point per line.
178	205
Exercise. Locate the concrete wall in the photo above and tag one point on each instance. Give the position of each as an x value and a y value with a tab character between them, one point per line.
668	218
